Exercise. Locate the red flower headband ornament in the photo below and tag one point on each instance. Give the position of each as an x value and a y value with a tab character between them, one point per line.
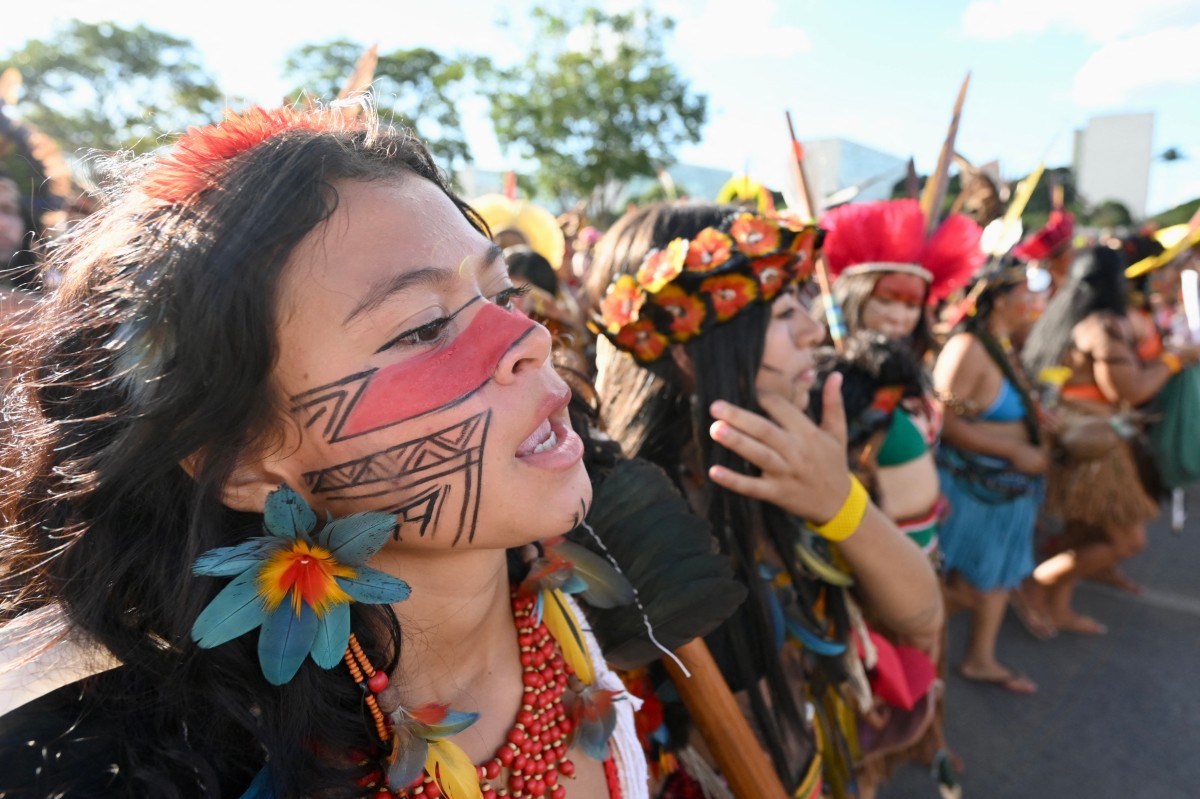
682	290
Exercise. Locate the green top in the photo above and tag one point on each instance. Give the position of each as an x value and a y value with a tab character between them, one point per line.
904	442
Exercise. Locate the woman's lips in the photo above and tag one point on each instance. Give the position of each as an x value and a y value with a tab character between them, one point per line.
553	446
539	440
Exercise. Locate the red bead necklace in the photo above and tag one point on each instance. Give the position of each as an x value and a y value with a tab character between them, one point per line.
534	754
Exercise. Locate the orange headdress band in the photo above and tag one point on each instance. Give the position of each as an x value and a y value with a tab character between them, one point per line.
203	155
689	286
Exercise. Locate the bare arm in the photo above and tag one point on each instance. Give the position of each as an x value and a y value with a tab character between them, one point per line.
1118	371
959	374
804	472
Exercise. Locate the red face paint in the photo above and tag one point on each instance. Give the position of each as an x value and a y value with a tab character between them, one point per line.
440	378
899	287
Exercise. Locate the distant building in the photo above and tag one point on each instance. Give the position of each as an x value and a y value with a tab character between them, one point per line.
1112	160
838	170
841	171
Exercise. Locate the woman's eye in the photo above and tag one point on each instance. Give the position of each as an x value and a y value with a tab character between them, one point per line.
427	333
506	297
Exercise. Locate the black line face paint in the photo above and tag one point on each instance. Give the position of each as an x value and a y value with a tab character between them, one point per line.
434	381
422	481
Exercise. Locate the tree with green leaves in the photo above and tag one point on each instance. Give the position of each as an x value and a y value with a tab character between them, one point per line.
419	88
102	86
596	102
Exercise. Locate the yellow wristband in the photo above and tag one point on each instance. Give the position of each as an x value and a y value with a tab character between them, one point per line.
848	517
1174	362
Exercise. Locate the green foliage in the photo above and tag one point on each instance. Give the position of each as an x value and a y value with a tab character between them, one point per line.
106	87
1108	214
596	103
1179	215
419	88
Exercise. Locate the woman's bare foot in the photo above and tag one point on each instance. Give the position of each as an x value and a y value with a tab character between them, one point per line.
1078	623
999	676
1032	613
1117	580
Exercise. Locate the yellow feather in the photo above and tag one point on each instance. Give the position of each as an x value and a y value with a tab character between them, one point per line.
453	771
563	625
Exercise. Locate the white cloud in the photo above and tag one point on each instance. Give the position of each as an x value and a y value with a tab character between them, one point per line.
1118	70
723	31
1100	20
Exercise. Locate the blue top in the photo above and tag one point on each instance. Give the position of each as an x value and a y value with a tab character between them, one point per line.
1006	407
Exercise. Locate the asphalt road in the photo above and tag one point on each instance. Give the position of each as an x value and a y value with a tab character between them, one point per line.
1115	717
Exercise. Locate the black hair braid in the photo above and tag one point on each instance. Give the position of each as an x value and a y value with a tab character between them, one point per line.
1015	375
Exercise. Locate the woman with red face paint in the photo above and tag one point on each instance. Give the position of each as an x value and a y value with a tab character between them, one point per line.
279	440
704	368
888	272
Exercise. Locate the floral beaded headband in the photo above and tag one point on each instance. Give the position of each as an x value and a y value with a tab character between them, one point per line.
686	288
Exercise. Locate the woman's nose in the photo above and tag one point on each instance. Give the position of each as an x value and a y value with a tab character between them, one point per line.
530	348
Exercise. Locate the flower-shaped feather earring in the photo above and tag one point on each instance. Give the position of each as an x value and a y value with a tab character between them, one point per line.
298	587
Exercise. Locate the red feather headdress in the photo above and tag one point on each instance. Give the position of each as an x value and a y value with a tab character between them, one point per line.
202	156
889	236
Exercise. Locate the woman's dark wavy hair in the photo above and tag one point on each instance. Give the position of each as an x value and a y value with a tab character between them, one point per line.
852	293
1097	285
159	347
652	413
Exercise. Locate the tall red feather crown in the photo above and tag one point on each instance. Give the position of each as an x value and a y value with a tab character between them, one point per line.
203	155
889	235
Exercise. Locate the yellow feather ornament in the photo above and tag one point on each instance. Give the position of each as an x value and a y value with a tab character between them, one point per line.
563	625
452	770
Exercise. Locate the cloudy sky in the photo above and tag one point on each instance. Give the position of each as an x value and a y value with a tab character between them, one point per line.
880	72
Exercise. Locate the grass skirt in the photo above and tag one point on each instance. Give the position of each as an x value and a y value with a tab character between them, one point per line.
987	535
1100	492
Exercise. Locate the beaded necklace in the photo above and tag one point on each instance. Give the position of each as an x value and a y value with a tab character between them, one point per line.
534	753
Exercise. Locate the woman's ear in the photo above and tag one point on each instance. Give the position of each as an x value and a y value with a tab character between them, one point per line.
247	487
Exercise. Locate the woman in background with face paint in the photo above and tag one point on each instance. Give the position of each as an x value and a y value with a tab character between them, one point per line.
887	273
704	369
278	434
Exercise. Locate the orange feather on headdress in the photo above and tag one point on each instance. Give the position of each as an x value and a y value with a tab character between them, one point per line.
202	156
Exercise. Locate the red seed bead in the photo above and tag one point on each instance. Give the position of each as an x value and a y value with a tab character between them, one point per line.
492	770
432	790
567	768
520	762
551	777
538	659
516	783
537	788
516	735
488	793
506	756
383	793
558	792
525	639
378	682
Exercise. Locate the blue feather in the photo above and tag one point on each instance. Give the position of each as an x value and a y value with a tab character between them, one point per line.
374	587
813	642
354	539
285	641
260	786
333	633
237	610
287	515
605	586
228	561
407	758
455	722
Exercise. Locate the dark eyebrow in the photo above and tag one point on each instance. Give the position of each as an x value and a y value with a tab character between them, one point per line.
381	290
